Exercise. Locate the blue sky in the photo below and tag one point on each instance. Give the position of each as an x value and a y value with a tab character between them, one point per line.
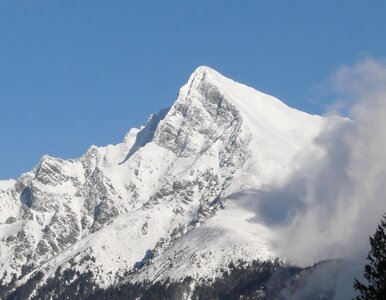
76	73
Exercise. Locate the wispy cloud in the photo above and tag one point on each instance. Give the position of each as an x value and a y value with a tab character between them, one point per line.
339	195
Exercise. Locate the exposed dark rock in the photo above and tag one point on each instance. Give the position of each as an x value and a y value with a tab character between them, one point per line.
10	220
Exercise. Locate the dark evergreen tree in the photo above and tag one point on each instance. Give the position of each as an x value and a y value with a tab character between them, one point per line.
375	270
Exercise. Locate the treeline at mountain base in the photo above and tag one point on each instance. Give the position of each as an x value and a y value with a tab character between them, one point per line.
257	280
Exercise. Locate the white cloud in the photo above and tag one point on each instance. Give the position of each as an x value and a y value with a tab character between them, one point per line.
338	199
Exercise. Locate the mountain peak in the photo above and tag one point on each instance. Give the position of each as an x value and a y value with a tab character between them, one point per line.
264	115
207	74
201	69
207	81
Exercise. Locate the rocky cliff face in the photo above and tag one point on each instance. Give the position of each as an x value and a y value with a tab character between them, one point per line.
163	203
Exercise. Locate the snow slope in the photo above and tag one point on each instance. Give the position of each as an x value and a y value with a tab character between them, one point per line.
163	203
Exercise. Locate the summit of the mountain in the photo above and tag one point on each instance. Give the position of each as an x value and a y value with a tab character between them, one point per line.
163	204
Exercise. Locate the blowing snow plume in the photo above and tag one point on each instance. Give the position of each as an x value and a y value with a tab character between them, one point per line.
336	199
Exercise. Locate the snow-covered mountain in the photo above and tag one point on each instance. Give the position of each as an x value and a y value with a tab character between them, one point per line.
167	202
